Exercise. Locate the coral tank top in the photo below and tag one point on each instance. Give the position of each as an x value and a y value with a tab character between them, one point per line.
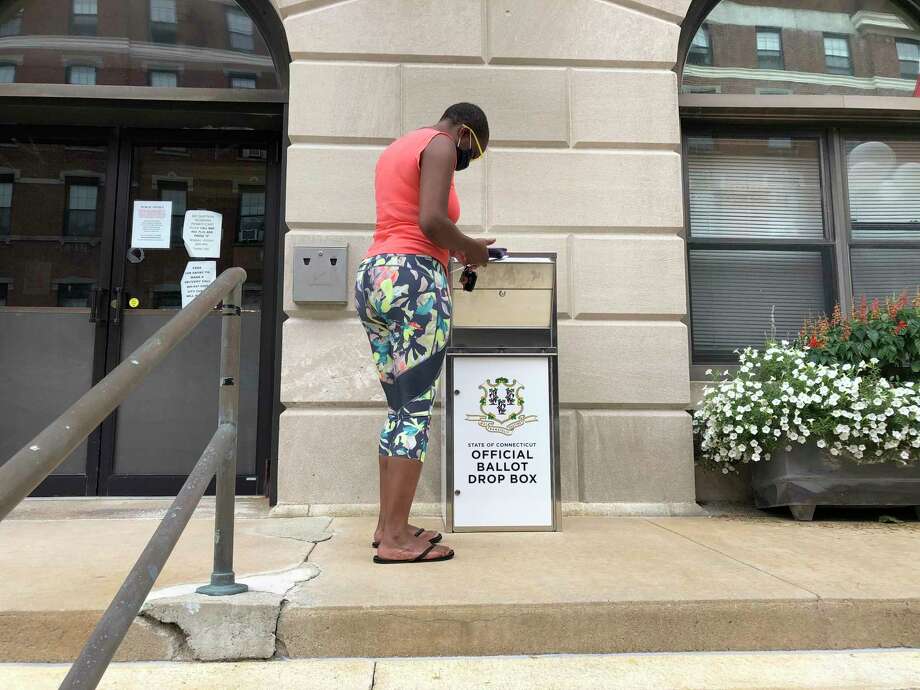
396	187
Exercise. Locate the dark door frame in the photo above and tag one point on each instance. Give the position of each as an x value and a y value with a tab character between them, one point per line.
83	484
266	129
110	483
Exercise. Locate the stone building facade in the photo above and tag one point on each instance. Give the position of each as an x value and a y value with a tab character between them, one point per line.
584	161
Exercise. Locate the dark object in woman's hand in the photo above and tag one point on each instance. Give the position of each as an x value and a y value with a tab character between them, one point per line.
497	253
468	279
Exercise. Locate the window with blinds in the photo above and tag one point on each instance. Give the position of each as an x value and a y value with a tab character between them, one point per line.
759	262
883	191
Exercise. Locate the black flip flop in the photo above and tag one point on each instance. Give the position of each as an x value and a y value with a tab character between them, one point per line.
434	540
418	559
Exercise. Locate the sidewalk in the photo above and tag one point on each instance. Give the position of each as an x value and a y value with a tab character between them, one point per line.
849	670
602	585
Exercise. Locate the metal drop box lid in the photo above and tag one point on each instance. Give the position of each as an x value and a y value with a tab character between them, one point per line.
517	292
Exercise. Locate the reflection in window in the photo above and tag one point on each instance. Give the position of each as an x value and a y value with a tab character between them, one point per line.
701	48
84	75
163	78
769	49
251	154
4	288
163	21
242	81
252	215
240	28
11	24
883	189
84	17
194	43
73	294
7	73
837	55
756	217
167	297
82	203
177	193
6	205
802	47
909	58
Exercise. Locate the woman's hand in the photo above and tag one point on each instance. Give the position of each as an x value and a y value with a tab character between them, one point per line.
477	252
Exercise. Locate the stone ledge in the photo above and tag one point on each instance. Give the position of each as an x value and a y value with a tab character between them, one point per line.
601	627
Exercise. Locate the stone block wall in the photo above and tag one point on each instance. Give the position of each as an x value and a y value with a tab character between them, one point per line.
584	161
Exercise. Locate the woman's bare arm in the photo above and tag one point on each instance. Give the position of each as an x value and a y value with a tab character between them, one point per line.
437	168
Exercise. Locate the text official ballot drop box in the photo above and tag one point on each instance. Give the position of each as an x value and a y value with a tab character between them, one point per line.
501	403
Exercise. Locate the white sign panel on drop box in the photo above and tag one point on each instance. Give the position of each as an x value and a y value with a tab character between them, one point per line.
196	278
502	442
150	224
201	232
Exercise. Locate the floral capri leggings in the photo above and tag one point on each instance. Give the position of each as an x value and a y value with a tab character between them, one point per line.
403	301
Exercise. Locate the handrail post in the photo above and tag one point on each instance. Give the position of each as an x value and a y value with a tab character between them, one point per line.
223	581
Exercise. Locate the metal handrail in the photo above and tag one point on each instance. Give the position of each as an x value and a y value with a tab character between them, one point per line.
37	459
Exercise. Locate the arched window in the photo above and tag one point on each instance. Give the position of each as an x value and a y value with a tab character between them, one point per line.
201	44
806	47
801	195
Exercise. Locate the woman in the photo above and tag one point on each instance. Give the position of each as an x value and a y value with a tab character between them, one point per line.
403	298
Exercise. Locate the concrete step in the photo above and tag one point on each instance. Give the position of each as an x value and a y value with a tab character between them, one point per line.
601	585
606	585
846	670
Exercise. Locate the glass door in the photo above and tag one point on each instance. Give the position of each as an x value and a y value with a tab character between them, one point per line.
160	431
56	214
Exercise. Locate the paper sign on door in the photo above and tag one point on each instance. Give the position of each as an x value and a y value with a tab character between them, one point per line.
198	275
201	233
151	224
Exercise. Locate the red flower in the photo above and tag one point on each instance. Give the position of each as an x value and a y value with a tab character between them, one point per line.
900	327
814	342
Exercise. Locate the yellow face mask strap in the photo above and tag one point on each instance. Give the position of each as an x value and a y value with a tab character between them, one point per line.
473	137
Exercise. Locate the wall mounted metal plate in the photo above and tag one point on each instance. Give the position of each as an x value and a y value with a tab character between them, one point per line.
320	274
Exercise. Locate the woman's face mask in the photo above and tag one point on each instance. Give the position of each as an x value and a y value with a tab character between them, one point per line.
464	156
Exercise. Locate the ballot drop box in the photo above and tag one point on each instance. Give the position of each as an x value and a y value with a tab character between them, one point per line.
501	401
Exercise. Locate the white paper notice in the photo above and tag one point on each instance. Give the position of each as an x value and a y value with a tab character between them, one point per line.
201	233
198	275
151	224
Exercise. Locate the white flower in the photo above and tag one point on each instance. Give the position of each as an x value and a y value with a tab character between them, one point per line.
821	443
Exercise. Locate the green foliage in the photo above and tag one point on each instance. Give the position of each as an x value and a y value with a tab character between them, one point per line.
888	333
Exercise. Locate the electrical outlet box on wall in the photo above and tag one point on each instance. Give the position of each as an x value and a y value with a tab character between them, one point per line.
320	274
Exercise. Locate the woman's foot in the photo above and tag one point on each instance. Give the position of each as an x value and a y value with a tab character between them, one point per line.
411	531
410	548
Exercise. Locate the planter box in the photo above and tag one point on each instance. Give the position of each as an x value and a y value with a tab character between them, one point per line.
808	476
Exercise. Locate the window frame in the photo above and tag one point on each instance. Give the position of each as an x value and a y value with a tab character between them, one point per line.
81	181
826	246
162	31
781	56
828	69
154	70
870	133
243	75
838	238
249	189
916	44
80	24
709	56
7	210
69	72
876	115
231	33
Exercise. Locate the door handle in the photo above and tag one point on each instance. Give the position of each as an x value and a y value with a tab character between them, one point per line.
97	296
116	306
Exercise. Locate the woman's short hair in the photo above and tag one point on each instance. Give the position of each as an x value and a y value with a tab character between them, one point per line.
471	115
